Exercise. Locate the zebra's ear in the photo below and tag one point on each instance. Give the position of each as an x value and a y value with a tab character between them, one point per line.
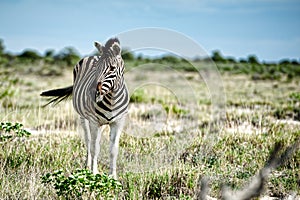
99	47
116	48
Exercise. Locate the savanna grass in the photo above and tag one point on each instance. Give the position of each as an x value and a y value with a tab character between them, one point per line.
238	151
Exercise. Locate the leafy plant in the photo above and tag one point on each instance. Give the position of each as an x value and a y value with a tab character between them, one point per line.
9	130
82	182
295	96
175	109
138	96
8	92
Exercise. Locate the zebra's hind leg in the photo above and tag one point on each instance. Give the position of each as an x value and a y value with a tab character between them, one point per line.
115	133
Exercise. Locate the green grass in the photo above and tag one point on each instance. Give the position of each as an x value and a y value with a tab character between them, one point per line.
165	163
232	160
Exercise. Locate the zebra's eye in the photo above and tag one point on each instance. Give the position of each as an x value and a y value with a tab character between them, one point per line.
112	68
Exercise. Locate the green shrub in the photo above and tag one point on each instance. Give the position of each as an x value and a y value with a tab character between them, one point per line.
252	59
295	97
175	110
127	55
10	131
29	55
138	96
82	183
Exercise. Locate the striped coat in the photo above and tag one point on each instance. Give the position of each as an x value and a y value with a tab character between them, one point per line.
114	103
100	96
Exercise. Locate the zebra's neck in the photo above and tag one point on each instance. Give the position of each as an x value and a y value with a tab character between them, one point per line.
113	105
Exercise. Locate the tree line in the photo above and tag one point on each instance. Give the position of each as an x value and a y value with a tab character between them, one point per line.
69	56
251	59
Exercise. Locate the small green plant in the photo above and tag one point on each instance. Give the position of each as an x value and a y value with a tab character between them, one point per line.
138	96
175	109
295	97
10	131
82	183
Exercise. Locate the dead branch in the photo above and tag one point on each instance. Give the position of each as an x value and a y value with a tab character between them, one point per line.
256	186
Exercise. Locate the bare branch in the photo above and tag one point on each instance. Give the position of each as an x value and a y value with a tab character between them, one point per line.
256	186
203	189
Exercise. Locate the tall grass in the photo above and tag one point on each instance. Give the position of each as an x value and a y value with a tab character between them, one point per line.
154	162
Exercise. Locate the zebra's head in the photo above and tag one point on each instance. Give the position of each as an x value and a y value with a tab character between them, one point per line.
110	49
111	67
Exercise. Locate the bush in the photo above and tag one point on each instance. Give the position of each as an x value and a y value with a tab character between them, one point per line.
1	47
29	55
295	97
9	131
68	55
252	59
138	96
127	55
217	57
82	182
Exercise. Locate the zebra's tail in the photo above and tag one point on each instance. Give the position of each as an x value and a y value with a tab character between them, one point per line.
57	95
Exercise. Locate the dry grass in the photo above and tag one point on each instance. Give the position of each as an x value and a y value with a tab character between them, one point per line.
163	150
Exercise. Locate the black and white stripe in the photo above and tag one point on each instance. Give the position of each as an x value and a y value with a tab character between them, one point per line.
100	96
115	95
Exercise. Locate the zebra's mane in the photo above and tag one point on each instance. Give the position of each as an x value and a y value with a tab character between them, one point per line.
110	49
111	41
107	60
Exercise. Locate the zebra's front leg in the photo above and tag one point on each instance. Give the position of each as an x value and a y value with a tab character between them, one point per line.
95	132
87	137
115	133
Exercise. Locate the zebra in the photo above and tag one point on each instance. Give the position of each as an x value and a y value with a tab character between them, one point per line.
100	97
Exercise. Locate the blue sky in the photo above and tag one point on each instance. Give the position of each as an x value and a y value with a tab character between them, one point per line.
269	29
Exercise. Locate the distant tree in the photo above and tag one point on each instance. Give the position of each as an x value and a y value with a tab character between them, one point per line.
252	59
140	57
49	56
127	55
217	57
1	47
3	58
231	60
170	59
295	62
49	53
288	61
243	60
30	55
284	61
69	55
